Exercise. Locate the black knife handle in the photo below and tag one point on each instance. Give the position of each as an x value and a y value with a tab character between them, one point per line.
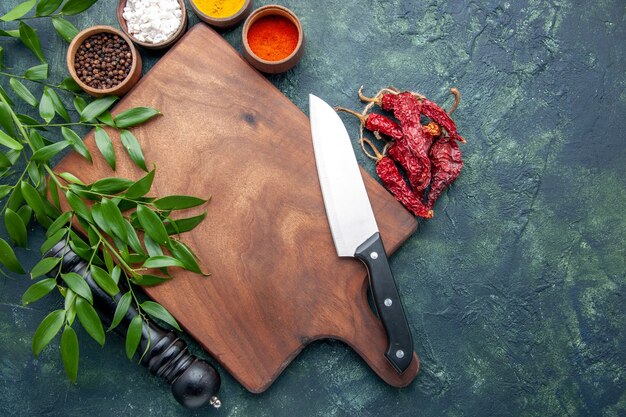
194	381
387	301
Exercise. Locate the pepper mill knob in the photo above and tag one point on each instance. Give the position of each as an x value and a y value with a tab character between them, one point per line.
197	386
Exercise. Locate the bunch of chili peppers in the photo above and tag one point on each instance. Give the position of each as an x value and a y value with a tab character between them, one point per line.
428	153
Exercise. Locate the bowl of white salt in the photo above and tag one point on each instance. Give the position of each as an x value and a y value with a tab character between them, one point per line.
153	24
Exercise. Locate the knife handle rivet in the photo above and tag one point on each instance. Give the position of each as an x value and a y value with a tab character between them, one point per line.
374	255
399	353
388	302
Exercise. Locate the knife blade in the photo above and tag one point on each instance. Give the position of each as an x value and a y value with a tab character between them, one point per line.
353	225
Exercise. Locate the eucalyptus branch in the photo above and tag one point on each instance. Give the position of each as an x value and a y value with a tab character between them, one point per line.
113	212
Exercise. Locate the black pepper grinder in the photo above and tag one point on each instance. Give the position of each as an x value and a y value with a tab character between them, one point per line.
194	381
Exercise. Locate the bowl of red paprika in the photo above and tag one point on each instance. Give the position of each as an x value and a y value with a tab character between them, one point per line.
273	39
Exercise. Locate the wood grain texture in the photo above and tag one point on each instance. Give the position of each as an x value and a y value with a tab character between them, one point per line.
277	283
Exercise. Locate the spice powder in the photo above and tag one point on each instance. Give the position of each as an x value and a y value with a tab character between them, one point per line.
273	37
219	8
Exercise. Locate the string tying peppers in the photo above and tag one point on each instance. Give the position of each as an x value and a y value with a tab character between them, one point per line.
429	154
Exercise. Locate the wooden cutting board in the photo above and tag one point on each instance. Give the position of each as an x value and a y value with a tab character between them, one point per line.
276	282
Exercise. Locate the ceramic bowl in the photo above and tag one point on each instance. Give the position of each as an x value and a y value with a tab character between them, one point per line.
154	46
224	22
122	88
272	67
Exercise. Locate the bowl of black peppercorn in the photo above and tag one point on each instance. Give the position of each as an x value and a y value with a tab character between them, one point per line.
103	61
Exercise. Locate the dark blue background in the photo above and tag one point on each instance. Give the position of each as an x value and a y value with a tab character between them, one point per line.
514	291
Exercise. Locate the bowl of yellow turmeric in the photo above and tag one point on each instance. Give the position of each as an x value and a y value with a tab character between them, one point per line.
221	14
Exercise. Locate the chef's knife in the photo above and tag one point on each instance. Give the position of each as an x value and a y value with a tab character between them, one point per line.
353	225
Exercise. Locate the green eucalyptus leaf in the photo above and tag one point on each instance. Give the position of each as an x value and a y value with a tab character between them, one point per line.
116	273
10	33
71	178
99	218
43	267
6	118
184	225
104	280
76	142
152	247
38	290
52	211
79	104
103	141
46	331
162	262
15	199
9	142
108	261
133	336
111	185
149	280
35	173
18	11
94	239
134	116
58	105
33	198
157	311
120	311
4	95
78	284
133	148
4	189
4	163
37	73
70	85
22	92
52	240
90	320
69	353
132	239
47	7
46	108
141	187
178	202
97	107
152	224
25	213
8	259
59	223
107	119
72	7
53	191
70	305
113	215
15	227
64	28
47	152
181	252
77	204
29	37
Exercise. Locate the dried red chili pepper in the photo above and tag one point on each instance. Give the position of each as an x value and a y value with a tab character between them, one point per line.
429	108
377	123
439	116
447	163
412	150
394	182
